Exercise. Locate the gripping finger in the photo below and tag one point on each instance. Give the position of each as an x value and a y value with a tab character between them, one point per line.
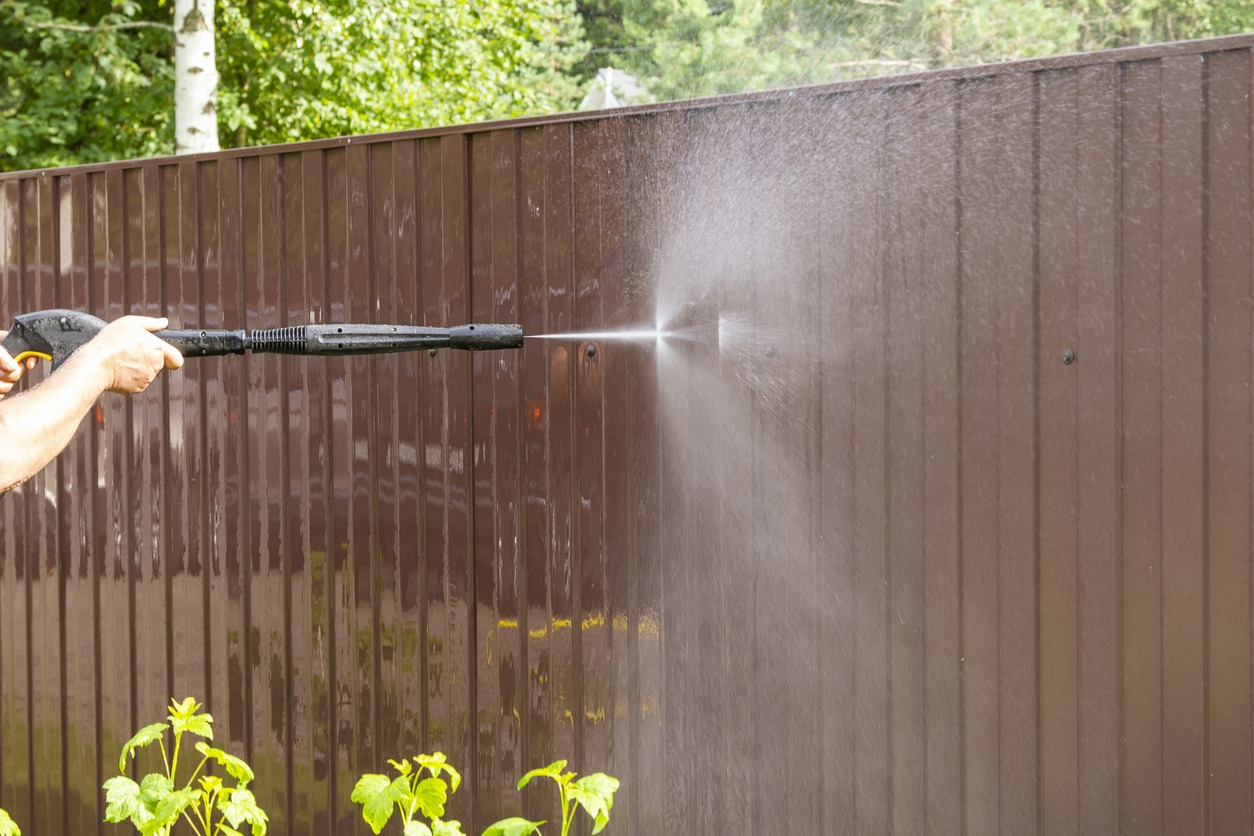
149	323
173	358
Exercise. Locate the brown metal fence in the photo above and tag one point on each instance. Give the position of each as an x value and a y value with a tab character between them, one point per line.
941	523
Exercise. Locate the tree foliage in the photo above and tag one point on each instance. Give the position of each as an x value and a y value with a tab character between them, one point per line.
681	48
86	80
296	69
83	81
89	81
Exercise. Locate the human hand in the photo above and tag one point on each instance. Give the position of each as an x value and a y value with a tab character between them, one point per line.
10	369
130	356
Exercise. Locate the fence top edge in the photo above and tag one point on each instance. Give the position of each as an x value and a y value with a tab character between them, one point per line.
1033	65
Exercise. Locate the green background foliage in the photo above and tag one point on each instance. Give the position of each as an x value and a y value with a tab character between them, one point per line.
684	48
93	80
69	96
299	69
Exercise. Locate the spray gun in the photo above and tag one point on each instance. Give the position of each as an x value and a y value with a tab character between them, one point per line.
56	334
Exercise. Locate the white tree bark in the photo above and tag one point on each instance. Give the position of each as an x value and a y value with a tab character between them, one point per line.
195	78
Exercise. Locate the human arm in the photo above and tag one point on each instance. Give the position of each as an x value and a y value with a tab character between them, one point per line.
36	425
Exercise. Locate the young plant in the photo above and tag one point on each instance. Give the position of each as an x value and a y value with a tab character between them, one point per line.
380	795
8	827
154	806
594	793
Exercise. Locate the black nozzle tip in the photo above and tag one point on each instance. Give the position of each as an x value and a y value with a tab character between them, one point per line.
484	337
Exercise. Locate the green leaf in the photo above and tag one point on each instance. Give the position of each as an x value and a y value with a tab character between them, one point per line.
446	828
402	767
553	770
437	764
431	795
398	790
141	818
512	827
236	768
183	710
183	717
241	806
372	793
121	798
8	827
153	789
198	724
417	828
168	811
149	793
221	827
599	784
595	793
142	738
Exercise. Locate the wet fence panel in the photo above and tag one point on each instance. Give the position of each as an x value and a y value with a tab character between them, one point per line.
1227	362
887	469
1098	419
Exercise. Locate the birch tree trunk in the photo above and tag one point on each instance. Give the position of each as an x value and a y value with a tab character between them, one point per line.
195	78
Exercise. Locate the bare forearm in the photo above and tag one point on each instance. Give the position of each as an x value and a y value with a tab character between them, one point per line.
37	425
34	427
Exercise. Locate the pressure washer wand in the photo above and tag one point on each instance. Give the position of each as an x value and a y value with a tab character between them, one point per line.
56	334
330	340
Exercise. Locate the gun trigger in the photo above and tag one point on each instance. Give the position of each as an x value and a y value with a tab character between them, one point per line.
25	354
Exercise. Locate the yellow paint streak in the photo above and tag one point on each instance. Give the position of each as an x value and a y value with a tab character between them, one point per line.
541	632
649	627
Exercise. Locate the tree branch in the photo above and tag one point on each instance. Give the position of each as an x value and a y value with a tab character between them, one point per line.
79	27
104	27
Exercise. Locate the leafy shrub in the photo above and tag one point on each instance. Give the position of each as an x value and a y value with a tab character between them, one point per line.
154	806
415	795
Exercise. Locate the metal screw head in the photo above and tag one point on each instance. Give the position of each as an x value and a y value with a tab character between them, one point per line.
433	352
1068	357
590	350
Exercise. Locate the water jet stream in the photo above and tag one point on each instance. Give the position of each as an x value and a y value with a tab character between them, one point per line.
635	336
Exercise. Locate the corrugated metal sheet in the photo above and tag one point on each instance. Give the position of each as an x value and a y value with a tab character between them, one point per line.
879	560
